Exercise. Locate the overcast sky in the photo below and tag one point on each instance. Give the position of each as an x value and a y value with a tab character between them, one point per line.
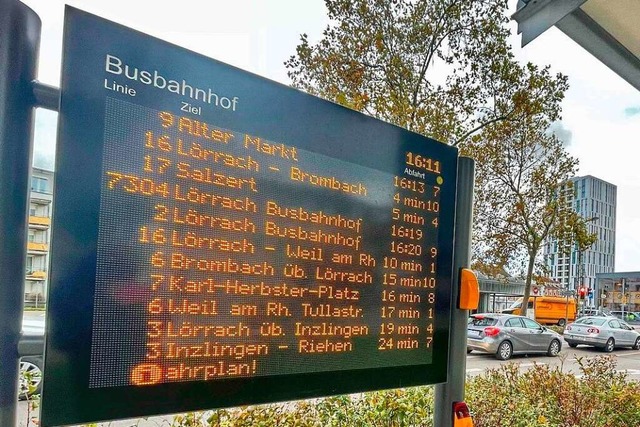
601	113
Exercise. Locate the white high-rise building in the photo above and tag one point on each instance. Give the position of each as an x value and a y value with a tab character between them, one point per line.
595	201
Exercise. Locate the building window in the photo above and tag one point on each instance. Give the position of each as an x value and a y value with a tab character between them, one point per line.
41	185
39	210
36	236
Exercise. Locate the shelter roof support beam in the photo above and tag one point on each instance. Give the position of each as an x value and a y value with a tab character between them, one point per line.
536	16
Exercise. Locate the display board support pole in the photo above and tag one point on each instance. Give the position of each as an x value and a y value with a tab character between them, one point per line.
47	96
453	390
19	44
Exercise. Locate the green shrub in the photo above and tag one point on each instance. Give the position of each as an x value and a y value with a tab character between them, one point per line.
387	408
544	396
502	397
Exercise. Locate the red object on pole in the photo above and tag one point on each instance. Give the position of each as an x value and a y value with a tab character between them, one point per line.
461	415
582	292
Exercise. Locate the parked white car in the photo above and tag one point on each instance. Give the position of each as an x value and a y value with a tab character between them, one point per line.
606	333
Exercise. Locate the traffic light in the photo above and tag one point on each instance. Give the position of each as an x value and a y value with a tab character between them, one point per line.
582	292
590	292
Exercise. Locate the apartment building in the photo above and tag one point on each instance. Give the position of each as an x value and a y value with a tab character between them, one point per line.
39	236
595	201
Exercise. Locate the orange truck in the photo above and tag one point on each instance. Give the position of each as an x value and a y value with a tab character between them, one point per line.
547	310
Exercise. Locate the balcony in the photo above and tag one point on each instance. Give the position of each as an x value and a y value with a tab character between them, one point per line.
36	275
37	247
40	222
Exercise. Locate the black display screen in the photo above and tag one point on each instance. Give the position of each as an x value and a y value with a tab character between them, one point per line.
229	240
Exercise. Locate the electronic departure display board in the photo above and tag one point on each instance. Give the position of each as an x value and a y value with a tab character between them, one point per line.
220	239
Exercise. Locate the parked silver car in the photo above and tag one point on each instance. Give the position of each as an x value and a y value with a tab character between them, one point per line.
506	334
597	312
603	332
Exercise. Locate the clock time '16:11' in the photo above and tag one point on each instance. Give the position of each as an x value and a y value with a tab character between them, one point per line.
421	162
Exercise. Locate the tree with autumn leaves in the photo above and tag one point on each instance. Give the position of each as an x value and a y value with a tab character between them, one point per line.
523	197
442	68
445	69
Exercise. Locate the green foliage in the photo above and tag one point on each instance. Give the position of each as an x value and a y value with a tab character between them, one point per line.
190	419
27	386
443	68
503	397
389	408
544	396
